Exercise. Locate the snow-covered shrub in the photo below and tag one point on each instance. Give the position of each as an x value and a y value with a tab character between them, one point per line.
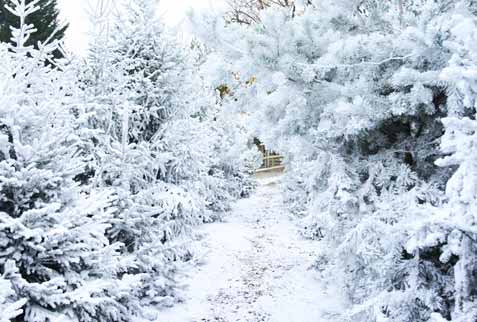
235	158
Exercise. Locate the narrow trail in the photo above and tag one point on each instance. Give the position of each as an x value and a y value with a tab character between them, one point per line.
257	268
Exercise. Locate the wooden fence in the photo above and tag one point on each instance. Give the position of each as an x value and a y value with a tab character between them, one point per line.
271	160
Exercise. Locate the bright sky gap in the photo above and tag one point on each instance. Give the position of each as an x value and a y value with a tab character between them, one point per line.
173	13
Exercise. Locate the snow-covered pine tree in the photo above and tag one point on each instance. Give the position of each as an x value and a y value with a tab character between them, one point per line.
124	113
352	96
454	228
148	115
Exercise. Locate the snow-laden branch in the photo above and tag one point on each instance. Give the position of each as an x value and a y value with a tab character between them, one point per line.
364	63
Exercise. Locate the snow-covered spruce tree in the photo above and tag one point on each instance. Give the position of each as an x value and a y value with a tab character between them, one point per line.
125	110
178	107
55	261
353	97
149	120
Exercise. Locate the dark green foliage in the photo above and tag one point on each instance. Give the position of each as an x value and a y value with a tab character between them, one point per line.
45	19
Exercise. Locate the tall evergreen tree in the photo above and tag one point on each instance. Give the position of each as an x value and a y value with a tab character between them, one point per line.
45	19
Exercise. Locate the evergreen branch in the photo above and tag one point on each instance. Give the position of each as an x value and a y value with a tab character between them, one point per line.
358	64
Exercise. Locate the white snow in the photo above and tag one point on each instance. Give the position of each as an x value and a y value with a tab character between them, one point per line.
257	268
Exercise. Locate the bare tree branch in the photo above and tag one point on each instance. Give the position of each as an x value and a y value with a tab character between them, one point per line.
248	11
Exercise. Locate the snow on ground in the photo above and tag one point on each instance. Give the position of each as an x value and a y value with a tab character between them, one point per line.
257	268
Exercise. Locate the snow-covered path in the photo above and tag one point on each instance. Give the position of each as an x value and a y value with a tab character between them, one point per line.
257	268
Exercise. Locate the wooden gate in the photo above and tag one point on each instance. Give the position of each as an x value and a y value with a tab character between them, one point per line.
271	160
